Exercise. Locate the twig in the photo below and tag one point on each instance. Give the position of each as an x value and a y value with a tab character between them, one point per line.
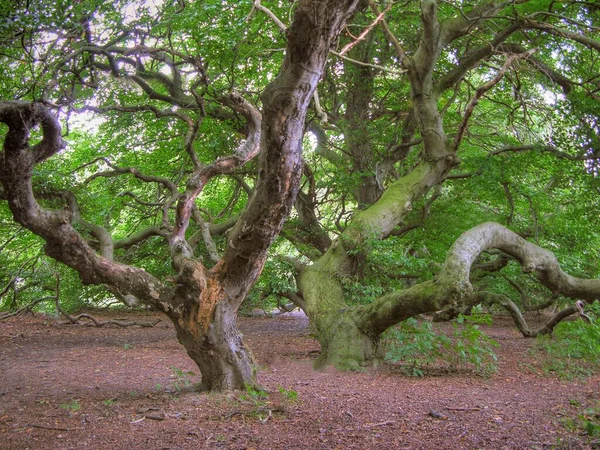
386	29
482	90
271	15
46	427
364	34
269	415
374	66
380	424
463	409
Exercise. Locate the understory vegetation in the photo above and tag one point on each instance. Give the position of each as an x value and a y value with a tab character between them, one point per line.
573	349
421	351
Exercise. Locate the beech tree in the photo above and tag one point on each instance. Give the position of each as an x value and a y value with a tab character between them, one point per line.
429	118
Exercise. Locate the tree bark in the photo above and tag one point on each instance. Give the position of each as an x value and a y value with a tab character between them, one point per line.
321	284
219	351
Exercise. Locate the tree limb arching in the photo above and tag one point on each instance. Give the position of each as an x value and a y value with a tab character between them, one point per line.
245	152
452	284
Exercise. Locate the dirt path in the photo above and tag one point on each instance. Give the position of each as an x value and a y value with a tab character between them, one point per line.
65	387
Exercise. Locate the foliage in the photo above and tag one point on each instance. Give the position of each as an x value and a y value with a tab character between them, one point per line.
140	89
290	394
573	349
275	280
255	395
243	52
72	406
418	347
183	378
587	420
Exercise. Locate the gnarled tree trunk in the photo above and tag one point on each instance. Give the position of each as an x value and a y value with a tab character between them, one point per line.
203	303
349	335
218	350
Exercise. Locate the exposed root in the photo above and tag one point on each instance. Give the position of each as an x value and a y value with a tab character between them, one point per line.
100	323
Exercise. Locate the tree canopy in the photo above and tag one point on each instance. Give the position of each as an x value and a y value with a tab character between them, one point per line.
373	160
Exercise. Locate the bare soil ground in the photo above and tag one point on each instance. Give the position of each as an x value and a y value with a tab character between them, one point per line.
75	387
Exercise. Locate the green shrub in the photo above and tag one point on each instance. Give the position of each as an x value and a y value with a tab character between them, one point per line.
573	350
417	347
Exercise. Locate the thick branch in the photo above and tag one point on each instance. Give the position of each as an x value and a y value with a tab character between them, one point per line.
245	152
474	57
311	35
545	149
140	236
437	193
526	331
452	285
456	27
531	257
63	242
561	32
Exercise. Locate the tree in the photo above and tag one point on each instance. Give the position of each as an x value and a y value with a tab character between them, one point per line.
476	47
203	302
178	88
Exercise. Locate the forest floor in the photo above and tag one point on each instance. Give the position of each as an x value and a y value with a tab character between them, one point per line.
65	386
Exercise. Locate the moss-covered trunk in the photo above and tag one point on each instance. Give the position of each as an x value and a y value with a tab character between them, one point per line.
343	343
349	335
347	340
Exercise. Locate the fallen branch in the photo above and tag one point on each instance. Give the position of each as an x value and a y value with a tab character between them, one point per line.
46	427
100	323
462	409
97	323
380	424
25	309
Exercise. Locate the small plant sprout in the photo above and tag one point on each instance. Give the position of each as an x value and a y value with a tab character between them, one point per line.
289	394
72	406
182	378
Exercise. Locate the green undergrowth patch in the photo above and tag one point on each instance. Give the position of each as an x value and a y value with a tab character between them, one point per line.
257	403
184	379
419	350
573	349
585	420
72	406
